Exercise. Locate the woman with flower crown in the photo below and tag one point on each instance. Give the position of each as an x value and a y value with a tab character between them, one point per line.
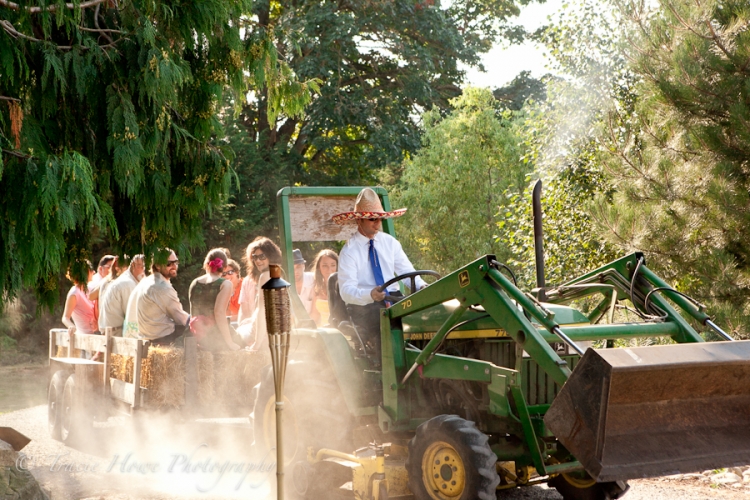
209	297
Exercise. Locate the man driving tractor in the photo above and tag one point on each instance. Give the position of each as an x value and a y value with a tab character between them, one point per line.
370	258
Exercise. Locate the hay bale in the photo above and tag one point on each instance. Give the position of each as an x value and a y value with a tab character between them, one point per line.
224	378
163	374
121	367
62	352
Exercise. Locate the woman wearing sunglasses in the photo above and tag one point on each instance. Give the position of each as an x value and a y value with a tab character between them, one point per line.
259	255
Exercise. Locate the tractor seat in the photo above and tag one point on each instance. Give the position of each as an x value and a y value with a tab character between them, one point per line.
336	304
339	316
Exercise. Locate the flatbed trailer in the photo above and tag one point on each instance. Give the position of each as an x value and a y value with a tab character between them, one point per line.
83	389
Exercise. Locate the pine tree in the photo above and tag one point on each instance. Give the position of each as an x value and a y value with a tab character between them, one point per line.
681	168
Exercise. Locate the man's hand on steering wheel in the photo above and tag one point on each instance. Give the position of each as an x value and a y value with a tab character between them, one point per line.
377	294
413	282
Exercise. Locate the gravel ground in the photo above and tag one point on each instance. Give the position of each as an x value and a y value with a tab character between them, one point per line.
128	460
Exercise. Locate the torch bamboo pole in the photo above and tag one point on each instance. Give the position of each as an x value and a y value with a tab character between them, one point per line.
278	324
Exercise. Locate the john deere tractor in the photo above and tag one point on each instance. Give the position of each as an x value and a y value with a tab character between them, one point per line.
481	386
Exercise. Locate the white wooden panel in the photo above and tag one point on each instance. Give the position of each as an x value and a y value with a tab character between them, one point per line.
90	343
310	218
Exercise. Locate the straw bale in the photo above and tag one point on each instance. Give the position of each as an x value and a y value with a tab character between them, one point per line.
165	377
62	352
121	367
225	378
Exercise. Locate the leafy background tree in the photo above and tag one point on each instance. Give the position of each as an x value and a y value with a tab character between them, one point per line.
380	65
454	186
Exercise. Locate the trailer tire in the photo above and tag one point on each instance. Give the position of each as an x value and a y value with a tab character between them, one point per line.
575	487
450	459
76	421
54	404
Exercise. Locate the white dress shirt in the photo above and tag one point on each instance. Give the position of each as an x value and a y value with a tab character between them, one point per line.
113	301
306	295
356	279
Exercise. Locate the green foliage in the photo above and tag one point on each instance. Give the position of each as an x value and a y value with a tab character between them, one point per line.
571	245
109	131
523	87
680	169
378	66
563	146
455	185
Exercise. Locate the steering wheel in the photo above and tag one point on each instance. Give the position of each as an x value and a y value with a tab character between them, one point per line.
413	282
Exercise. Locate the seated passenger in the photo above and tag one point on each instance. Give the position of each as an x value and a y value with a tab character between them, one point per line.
105	263
259	255
233	273
325	264
209	298
116	268
114	296
78	314
370	258
159	314
303	281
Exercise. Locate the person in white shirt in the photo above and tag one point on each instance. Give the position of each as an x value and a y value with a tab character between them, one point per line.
105	263
159	316
114	298
367	253
303	281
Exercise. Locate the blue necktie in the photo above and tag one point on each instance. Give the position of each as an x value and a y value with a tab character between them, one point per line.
375	264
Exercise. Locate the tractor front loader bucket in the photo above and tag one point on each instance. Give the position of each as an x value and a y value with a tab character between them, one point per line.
658	410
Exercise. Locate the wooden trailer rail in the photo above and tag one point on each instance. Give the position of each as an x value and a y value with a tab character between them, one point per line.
108	345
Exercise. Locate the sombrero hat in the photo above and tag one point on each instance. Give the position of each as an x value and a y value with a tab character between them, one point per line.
367	206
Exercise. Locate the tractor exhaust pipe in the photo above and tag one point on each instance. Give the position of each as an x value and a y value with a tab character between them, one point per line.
536	202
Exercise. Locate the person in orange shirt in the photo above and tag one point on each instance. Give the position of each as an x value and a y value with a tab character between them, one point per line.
233	274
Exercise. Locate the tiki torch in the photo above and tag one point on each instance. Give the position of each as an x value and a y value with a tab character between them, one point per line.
278	325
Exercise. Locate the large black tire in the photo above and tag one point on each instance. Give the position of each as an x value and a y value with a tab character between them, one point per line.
77	421
315	412
580	486
450	459
54	404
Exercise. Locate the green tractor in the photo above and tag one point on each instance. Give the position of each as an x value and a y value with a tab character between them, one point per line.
481	386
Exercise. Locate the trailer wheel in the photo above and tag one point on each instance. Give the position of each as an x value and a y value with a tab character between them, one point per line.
75	421
450	459
580	486
54	404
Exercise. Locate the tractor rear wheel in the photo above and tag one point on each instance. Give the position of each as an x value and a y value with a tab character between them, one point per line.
580	486
450	459
315	412
54	404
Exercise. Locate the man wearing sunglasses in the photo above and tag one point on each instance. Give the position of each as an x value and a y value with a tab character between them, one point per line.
159	316
369	259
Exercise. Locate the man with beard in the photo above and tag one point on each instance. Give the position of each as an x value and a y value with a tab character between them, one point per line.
159	315
114	301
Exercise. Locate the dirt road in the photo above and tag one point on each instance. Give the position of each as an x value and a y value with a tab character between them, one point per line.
125	460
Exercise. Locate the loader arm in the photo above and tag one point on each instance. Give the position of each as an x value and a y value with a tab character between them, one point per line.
480	283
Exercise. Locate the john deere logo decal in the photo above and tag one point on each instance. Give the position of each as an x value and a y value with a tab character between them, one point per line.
463	278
